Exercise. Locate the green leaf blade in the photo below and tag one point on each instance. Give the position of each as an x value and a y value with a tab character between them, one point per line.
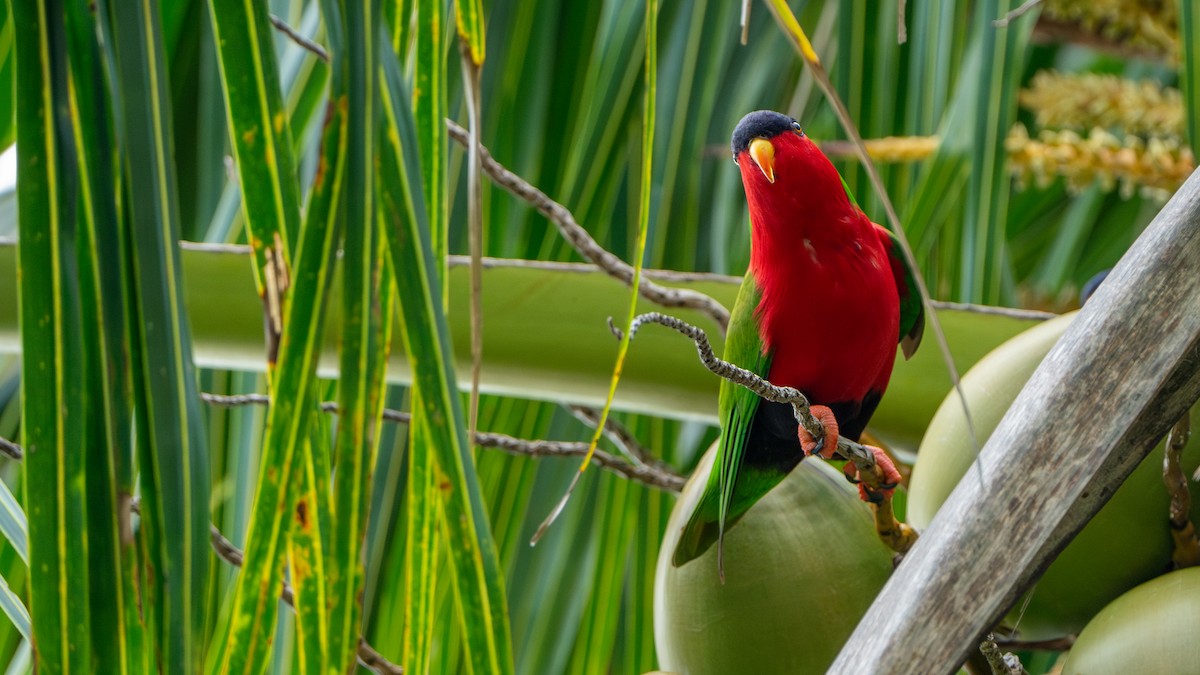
118	633
479	578
249	620
1189	76
360	387
469	19
258	126
51	383
174	450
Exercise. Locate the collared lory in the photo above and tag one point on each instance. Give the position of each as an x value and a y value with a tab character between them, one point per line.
827	297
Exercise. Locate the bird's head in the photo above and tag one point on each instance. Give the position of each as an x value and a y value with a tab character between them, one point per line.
782	170
762	141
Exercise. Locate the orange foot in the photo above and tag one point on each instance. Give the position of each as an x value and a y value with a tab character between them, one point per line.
827	446
891	477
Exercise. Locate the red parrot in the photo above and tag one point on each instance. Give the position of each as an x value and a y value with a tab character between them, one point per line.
827	297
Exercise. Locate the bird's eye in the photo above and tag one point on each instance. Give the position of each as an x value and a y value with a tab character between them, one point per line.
797	127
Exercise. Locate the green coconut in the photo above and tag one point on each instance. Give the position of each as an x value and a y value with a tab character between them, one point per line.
1127	543
801	568
1151	630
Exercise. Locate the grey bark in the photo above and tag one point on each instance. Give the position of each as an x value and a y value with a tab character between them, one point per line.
1124	372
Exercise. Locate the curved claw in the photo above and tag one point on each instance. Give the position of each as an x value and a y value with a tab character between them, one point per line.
891	477
827	446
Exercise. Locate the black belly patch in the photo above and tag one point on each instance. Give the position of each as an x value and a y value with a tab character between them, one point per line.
773	442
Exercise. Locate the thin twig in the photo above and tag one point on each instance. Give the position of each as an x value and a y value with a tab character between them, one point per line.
901	23
583	242
1183	531
11	449
1016	13
1061	644
1009	312
746	21
471	89
616	432
652	473
647	474
300	40
739	375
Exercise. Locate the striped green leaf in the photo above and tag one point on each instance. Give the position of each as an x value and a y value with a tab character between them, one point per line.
51	383
173	447
1002	61
422	499
363	351
308	570
13	524
248	622
117	630
421	550
479	581
1189	68
468	15
258	128
15	610
8	110
429	111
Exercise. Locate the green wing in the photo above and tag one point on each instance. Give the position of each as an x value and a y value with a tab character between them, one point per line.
731	490
912	310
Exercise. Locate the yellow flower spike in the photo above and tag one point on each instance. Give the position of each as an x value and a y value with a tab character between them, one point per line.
896	149
1155	167
1087	100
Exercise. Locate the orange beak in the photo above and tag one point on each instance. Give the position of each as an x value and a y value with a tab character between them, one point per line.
763	153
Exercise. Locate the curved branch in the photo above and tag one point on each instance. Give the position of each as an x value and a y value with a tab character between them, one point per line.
583	242
651	473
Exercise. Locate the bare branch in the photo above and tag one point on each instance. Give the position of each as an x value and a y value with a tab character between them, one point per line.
1010	312
616	432
584	243
1183	531
1016	13
650	472
1061	644
303	42
472	91
11	449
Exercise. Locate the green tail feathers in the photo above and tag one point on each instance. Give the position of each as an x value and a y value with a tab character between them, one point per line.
700	533
703	528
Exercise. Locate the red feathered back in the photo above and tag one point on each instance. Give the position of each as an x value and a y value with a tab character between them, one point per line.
829	310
